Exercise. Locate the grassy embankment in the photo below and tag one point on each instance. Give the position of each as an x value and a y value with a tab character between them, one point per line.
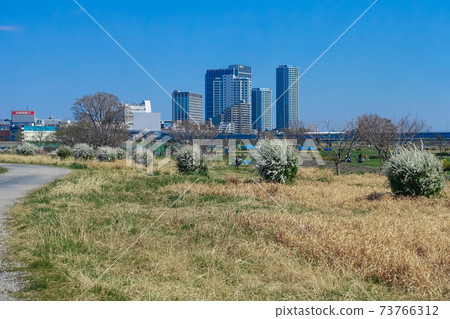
226	239
50	161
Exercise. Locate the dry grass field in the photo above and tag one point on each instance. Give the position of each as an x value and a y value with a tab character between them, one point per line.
226	238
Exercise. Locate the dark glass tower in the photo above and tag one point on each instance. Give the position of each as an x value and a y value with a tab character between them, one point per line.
287	97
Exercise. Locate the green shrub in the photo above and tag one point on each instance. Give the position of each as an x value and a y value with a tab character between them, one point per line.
276	161
190	160
446	165
83	152
27	149
77	166
106	154
414	172
63	152
120	153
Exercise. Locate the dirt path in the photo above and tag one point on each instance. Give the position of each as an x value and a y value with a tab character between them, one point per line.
15	184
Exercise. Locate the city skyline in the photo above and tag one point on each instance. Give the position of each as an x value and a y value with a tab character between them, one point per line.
384	64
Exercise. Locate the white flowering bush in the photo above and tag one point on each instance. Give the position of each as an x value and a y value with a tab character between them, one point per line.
27	149
190	160
53	154
83	151
8	151
140	156
414	172
106	154
276	160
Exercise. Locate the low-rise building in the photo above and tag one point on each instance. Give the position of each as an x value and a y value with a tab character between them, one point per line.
23	118
38	134
166	125
5	135
6	123
51	121
16	133
141	117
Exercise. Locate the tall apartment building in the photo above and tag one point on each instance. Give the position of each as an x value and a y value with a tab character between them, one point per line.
187	106
261	109
287	103
227	91
240	115
212	74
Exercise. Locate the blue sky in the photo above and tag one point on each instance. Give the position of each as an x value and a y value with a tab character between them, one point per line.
395	61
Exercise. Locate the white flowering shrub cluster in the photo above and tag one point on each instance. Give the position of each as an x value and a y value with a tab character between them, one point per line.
190	160
106	154
53	154
83	151
140	156
414	172
276	160
8	151
27	149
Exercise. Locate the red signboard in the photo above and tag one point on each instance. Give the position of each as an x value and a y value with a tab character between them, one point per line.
23	112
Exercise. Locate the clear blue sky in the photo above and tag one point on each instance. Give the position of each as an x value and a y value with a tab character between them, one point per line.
395	61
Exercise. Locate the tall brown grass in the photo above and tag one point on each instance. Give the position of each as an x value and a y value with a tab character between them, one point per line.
227	240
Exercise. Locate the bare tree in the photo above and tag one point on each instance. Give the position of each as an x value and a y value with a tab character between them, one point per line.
442	144
408	128
71	134
341	143
296	131
380	133
187	131
41	138
102	119
266	134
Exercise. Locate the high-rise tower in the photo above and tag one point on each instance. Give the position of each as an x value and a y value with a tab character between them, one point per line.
261	109
287	97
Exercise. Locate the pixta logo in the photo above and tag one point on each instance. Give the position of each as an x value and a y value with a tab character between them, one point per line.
141	149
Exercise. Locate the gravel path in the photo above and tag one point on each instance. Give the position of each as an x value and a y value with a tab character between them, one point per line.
15	184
